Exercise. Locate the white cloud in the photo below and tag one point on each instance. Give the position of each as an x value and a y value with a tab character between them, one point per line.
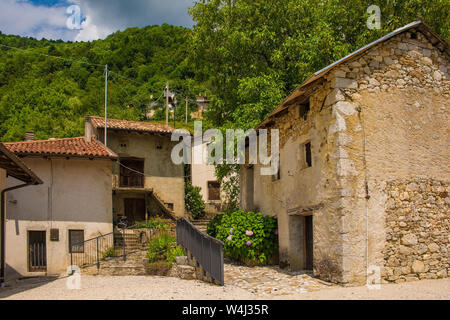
88	31
108	16
25	19
103	17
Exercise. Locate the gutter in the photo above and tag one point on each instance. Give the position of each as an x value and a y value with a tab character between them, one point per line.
3	229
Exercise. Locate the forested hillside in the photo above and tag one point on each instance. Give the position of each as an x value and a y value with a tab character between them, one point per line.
247	55
51	96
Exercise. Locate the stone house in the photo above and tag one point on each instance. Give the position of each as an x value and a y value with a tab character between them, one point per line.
145	180
11	166
364	170
74	203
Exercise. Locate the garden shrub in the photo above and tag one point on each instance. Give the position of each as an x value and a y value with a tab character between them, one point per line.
211	228
248	236
159	268
109	253
162	253
153	223
159	246
193	200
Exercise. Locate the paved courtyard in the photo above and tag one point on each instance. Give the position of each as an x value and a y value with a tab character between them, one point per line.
240	283
271	281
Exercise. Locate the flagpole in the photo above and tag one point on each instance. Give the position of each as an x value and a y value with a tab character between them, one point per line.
106	102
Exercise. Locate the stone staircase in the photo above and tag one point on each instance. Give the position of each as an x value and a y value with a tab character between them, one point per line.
201	224
134	265
164	207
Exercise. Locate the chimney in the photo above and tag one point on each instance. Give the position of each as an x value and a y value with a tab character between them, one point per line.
88	129
29	136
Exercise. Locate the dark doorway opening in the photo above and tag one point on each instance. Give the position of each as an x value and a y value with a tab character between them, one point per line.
134	210
309	242
37	251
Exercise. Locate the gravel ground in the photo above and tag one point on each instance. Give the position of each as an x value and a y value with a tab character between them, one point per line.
141	287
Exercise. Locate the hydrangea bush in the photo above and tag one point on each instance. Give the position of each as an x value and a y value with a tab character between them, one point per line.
248	236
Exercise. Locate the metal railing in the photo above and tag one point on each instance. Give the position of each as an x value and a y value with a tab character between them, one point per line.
92	251
208	251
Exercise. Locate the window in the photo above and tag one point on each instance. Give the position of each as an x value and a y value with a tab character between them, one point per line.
213	190
303	110
76	241
308	157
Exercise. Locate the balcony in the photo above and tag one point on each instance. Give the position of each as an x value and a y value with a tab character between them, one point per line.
131	173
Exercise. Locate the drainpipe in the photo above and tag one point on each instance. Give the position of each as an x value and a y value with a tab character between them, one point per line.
3	229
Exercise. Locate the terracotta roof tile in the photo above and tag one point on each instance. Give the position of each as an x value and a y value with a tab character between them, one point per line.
116	124
66	147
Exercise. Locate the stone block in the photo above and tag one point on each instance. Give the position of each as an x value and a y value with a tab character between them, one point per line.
182	260
418	266
344	83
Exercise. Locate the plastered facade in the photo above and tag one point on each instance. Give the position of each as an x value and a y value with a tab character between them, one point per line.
76	195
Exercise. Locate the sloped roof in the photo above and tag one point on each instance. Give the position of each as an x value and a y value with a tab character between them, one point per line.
116	124
65	147
303	88
16	168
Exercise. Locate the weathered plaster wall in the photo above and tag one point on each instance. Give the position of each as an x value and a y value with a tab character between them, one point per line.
376	118
2	186
162	175
78	195
400	92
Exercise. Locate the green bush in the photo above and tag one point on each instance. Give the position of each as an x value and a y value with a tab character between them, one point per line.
159	246
153	223
211	228
193	200
175	252
159	268
258	245
109	253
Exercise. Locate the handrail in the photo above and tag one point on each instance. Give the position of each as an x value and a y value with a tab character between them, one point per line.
207	251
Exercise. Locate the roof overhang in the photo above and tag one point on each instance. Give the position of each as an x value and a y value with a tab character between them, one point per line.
16	168
308	85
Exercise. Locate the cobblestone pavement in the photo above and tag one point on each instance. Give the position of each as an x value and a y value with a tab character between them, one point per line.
271	280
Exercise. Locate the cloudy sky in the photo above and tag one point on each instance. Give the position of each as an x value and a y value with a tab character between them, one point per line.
84	20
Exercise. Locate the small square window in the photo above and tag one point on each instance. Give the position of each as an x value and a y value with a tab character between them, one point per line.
76	241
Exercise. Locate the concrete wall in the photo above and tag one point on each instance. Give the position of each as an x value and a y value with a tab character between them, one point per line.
374	120
76	194
162	175
2	186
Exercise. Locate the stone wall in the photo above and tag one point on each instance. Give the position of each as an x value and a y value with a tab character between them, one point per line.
417	230
378	117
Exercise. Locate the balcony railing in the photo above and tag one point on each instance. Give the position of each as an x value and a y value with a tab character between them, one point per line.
132	181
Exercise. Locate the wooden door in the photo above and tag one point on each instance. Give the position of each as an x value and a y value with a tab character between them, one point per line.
134	210
37	251
309	242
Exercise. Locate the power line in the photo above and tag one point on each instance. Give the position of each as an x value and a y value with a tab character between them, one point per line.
50	56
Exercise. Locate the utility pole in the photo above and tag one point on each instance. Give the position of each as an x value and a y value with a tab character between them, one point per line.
106	102
167	103
186	107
